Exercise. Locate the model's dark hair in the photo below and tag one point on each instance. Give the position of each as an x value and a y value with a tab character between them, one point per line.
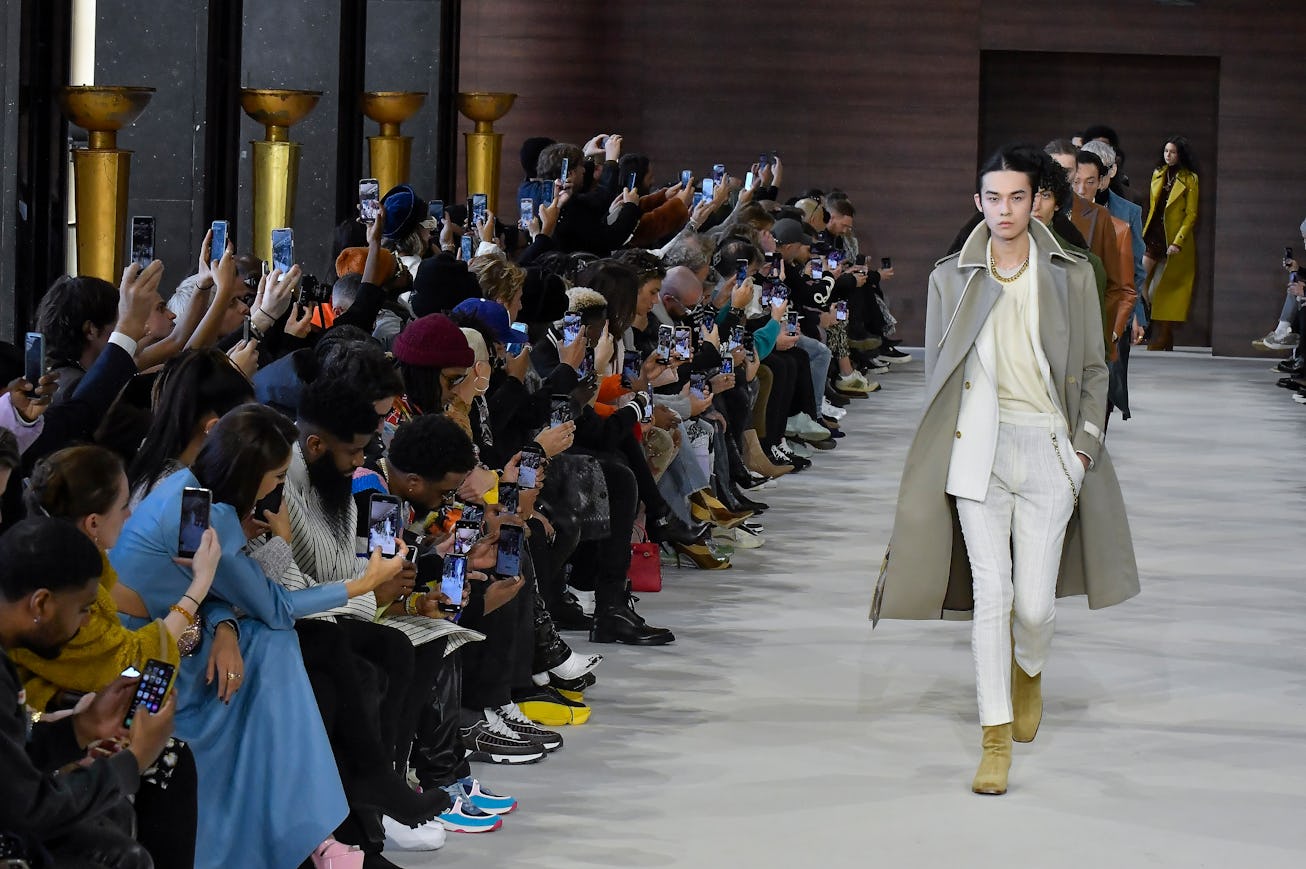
74	482
1186	158
1101	131
247	443
41	552
619	285
1088	158
1053	178
194	385
431	446
336	407
1014	158
731	250
66	307
1059	147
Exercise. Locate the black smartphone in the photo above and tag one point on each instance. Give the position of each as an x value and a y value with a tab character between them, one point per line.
686	176
792	325
818	267
763	161
218	243
630	182
648	407
383	523
452	581
283	250
698	385
840	311
472	513
718	173
1287	255
480	208
886	263
683	347
469	222
570	328
195	507
528	468
152	690
526	210
666	336
748	342
142	241
466	247
587	364
630	367
509	561
565	170
509	497
727	365
559	411
34	360
247	324
736	339
780	293
465	535
833	258
369	200
741	272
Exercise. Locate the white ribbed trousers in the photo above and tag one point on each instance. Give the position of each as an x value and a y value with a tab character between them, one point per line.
1014	539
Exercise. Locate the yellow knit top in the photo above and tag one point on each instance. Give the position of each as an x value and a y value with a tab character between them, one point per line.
100	651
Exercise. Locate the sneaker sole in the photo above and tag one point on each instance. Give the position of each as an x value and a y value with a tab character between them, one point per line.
453	827
554	714
490	757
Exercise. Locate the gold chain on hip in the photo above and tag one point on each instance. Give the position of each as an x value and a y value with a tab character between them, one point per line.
1073	491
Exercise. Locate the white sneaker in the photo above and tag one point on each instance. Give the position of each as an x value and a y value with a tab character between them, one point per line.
802	425
1275	341
829	410
740	537
400	837
797	448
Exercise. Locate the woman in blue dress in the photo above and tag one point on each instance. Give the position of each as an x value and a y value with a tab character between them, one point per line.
269	790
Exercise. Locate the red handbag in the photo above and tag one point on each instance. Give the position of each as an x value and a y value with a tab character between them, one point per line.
645	566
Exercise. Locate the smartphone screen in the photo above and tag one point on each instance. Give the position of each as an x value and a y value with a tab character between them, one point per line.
451	582
566	169
383	523
246	325
741	273
748	181
466	245
528	469
718	172
630	182
527	211
465	535
886	263
559	411
630	366
686	176
698	386
369	200
736	338
472	513
698	200
818	264
587	364
480	208
195	506
151	691
509	562
283	250
763	161
708	186
34	359
509	497
570	328
727	365
793	322
840	311
683	348
218	244
648	407
142	241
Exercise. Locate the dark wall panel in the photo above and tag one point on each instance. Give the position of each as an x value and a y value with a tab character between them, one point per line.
1035	96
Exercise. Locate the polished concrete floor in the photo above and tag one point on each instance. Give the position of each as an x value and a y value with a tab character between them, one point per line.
780	729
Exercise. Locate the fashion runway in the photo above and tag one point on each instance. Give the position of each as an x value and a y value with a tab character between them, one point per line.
779	728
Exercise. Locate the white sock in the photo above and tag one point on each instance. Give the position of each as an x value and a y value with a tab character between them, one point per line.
1282	330
576	666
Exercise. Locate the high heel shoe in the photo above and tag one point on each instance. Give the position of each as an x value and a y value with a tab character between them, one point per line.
700	556
672	530
705	507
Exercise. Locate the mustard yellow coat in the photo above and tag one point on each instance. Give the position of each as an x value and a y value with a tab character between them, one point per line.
1172	285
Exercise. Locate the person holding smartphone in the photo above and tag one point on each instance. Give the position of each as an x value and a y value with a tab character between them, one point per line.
244	458
49	581
583	222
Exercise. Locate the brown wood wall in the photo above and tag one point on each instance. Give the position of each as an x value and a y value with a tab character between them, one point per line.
882	98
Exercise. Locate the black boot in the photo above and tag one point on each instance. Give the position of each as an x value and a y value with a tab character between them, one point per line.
672	530
566	611
550	649
619	623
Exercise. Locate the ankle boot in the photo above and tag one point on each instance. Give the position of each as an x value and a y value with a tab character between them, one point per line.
619	623
550	649
991	777
756	459
1026	703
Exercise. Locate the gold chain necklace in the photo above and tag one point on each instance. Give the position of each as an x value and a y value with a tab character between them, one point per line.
993	270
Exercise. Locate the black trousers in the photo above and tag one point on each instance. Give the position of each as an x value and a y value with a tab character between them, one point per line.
864	315
438	757
607	561
102	842
493	667
791	391
166	818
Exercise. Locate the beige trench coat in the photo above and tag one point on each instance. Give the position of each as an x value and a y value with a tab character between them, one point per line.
926	572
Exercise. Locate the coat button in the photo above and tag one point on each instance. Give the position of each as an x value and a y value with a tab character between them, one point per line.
958	434
968	384
1070	380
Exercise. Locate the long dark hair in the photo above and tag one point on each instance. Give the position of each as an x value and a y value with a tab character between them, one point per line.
196	384
422	387
618	284
247	443
1186	158
66	307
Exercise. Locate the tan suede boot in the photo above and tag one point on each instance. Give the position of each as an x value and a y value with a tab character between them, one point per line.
991	777
1026	703
755	458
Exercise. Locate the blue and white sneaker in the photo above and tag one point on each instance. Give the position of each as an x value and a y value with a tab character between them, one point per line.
464	817
485	799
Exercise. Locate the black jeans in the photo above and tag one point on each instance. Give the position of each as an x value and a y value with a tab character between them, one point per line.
166	818
607	561
491	667
102	842
791	391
